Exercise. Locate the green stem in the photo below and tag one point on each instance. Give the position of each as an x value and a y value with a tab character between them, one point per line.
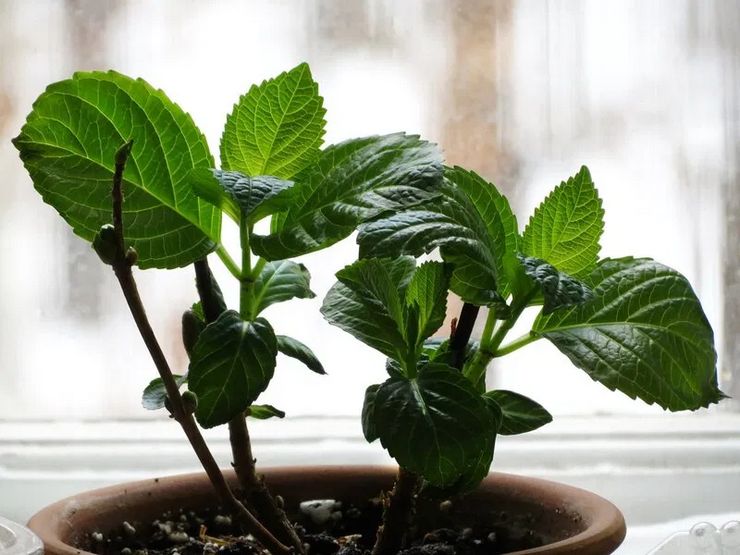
489	326
246	278
258	267
490	344
515	344
229	262
253	485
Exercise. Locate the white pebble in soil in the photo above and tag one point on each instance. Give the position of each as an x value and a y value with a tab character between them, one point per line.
321	511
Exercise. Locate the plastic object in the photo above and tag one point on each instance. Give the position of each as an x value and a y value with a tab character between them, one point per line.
704	538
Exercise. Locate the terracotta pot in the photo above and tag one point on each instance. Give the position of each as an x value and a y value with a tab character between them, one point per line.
574	521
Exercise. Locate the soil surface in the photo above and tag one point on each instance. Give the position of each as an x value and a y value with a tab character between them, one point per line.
326	528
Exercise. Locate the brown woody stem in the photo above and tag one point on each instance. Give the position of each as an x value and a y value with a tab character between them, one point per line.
400	503
462	332
398	511
253	486
122	268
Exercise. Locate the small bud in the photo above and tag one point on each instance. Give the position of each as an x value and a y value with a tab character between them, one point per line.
279	501
132	257
123	151
105	244
189	401
168	405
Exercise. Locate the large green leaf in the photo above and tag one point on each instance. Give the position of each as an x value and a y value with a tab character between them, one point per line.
280	281
473	225
353	182
276	128
644	333
519	414
241	196
435	425
558	289
295	349
231	364
68	146
565	229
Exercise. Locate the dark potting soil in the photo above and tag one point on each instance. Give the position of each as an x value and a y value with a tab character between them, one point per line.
331	529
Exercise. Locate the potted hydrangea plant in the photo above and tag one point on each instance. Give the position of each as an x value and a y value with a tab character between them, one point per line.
133	175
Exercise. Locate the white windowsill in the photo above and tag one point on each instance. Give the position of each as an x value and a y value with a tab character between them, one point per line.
655	469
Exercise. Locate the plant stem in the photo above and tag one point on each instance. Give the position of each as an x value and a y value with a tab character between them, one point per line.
246	279
122	269
399	504
205	283
229	262
515	344
398	509
463	331
489	345
254	486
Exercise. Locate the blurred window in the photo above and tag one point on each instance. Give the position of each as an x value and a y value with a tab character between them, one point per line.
644	93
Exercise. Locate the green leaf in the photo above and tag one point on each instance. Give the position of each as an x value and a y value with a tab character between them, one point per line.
276	128
479	466
367	303
644	333
368	414
263	412
353	182
241	196
197	309
434	425
558	289
427	291
231	364
565	229
154	394
471	223
280	281
519	414
478	469
297	350
68	146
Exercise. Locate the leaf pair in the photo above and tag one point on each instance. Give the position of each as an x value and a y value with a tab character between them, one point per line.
273	134
637	326
390	305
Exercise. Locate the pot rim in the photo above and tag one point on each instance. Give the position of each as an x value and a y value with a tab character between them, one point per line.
605	526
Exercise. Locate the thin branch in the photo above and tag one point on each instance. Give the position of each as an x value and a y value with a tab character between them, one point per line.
122	267
516	344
